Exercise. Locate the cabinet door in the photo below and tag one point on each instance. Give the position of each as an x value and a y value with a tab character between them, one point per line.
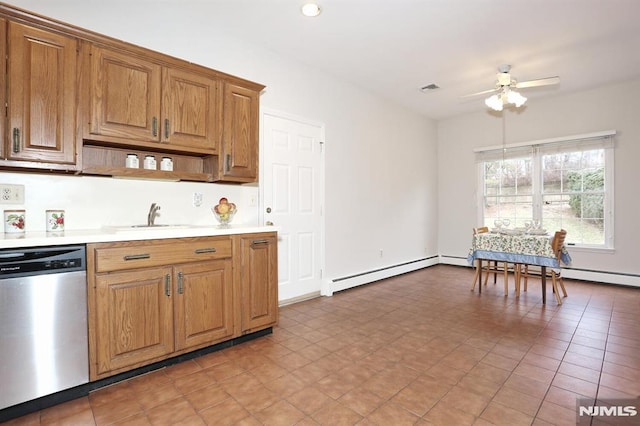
203	303
134	319
3	92
189	110
258	282
125	96
239	156
41	77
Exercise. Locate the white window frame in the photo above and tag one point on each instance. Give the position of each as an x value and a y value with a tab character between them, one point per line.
536	150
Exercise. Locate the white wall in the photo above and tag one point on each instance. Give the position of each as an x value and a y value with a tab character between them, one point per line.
93	202
380	162
615	107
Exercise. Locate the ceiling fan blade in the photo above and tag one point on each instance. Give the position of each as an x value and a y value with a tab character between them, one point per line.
539	82
479	93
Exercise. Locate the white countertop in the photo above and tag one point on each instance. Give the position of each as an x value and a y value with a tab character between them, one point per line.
110	234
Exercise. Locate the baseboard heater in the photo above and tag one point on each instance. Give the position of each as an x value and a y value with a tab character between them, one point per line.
350	281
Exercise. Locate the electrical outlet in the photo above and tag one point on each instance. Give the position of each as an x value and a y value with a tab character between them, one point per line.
11	194
197	199
381	252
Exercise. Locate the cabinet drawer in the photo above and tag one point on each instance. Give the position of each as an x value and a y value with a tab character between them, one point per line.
130	255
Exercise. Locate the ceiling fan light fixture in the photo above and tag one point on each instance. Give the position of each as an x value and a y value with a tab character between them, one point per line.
496	102
310	9
515	98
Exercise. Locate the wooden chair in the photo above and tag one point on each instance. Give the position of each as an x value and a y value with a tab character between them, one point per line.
534	271
492	267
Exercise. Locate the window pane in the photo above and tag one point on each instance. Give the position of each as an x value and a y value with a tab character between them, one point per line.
508	189
581	215
515	208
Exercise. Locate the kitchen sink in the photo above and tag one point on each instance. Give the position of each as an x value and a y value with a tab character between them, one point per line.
157	227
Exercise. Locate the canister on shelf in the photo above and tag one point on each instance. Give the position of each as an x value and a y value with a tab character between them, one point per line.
132	161
166	164
150	162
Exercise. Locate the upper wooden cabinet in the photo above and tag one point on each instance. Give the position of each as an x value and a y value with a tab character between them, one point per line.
81	101
124	96
239	150
133	98
41	86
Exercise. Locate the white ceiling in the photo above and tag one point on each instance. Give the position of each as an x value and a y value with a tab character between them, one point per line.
395	47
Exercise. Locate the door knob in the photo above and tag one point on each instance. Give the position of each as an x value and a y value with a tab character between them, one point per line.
269	223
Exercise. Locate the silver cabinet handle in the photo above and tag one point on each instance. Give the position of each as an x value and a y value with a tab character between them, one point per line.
227	163
180	284
166	128
205	250
16	140
257	242
167	285
154	126
137	256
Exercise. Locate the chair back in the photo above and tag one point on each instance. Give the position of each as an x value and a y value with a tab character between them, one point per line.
480	230
558	242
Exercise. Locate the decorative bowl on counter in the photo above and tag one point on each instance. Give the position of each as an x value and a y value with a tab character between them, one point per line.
224	211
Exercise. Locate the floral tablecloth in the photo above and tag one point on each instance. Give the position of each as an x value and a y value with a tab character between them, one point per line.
529	249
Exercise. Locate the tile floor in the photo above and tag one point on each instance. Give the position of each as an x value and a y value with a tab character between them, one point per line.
415	349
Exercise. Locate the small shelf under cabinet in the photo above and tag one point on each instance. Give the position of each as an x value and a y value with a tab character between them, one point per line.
110	161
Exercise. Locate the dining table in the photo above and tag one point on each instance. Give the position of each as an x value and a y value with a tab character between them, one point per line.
519	248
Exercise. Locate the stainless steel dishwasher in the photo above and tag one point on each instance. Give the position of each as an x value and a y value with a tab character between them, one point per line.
43	322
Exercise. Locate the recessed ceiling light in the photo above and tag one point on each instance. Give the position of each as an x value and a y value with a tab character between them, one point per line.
311	9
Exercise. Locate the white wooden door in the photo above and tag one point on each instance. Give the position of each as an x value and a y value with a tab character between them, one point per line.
292	199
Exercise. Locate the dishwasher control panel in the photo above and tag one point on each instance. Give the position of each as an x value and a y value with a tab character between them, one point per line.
42	260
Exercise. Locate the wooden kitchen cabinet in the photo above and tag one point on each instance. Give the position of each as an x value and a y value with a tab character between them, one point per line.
140	99
80	101
3	93
256	278
132	319
149	300
41	77
239	150
125	95
203	303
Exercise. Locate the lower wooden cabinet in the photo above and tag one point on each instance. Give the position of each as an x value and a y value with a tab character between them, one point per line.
154	299
203	307
133	320
256	275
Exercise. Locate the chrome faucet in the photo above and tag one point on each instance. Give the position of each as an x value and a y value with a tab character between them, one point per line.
153	212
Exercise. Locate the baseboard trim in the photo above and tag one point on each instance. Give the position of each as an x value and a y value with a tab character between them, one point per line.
604	277
347	282
300	298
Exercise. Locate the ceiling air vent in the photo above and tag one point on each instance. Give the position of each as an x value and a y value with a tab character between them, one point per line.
429	87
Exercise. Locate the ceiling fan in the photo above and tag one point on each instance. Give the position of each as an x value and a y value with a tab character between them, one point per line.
504	93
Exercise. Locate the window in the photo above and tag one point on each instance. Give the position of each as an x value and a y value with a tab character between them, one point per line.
566	183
